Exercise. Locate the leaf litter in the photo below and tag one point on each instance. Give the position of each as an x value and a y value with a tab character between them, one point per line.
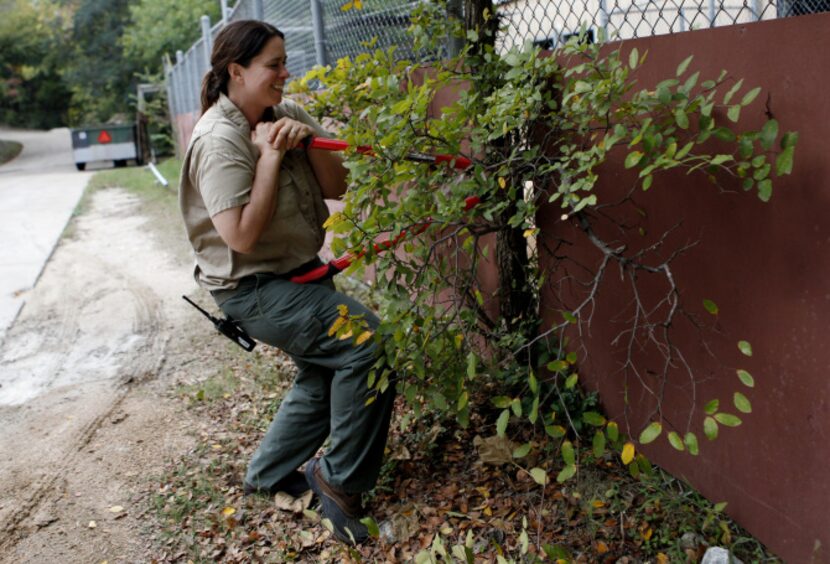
439	483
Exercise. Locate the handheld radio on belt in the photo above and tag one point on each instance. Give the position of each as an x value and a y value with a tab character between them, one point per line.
228	328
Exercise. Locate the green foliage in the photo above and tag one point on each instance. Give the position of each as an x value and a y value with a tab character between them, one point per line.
538	129
32	93
159	27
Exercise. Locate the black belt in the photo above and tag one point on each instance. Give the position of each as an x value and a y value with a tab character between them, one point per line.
221	295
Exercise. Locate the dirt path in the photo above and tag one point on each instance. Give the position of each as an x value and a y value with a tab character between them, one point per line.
85	376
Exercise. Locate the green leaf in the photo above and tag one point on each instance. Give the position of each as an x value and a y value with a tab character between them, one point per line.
502	402
676	441
501	424
568	454
684	150
372	526
765	190
745	347
711	306
593	418
737	86
719	507
613	431
522	451
734	113
633	58
789	139
471	365
534	410
558	366
768	134
710	428
682	118
728	419
742	403
539	476
532	383
516	406
570	382
651	432
598	444
746	378
647	181
569	317
555	431
720	159
566	473
784	161
691	443
681	68
724	134
750	96
633	158
712	407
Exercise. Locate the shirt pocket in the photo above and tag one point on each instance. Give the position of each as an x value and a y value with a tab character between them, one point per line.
288	197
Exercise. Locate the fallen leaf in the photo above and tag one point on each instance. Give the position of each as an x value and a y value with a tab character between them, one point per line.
286	502
494	450
116	509
228	511
92	524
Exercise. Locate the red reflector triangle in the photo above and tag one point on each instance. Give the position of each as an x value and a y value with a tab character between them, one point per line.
104	137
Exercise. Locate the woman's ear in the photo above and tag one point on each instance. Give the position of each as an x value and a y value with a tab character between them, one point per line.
235	72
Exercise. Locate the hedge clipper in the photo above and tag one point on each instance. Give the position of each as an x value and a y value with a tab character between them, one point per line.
335	266
231	328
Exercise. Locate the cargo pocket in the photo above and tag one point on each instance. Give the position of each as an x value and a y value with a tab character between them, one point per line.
305	334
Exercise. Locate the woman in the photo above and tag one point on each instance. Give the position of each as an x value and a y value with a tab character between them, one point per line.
252	203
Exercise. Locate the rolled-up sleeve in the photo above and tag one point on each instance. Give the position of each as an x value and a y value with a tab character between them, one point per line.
224	179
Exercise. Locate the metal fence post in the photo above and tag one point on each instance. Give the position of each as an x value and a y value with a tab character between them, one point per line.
455	12
207	38
711	13
259	10
319	31
178	84
603	19
223	4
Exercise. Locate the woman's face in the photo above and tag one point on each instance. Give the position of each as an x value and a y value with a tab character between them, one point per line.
264	78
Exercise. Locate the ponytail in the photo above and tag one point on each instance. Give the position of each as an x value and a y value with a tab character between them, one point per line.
212	86
238	42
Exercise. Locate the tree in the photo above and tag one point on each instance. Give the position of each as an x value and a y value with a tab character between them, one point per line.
32	93
159	27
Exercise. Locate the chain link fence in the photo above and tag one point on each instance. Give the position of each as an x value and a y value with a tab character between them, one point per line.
321	31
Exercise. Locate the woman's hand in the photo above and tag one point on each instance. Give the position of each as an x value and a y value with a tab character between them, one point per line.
287	133
262	136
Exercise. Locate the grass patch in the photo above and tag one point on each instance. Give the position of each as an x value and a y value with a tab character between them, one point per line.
9	150
159	204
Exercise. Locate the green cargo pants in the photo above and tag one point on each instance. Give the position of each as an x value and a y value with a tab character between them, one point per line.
330	390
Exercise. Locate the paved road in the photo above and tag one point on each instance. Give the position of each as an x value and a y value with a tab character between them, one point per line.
38	192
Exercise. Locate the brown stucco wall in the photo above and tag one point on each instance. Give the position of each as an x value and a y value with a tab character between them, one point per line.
767	266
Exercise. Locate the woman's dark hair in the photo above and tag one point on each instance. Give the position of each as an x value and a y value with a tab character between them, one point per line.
238	42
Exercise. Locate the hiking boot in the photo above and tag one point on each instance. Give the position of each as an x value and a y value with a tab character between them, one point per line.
343	510
294	485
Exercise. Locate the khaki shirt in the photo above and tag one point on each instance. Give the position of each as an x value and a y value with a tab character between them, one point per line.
217	174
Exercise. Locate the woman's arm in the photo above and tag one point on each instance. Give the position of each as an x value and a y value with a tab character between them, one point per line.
241	227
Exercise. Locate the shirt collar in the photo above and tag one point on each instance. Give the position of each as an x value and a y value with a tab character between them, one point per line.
233	113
